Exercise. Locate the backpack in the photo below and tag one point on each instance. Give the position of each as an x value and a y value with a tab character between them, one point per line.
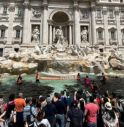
64	100
28	118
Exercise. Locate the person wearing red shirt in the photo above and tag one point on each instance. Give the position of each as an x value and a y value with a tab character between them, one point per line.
91	112
87	81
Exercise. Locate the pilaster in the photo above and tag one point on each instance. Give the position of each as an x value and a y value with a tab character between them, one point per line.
26	23
106	32
119	37
45	23
11	19
93	23
76	23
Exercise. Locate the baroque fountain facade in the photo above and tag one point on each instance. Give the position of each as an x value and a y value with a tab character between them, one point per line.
61	58
66	38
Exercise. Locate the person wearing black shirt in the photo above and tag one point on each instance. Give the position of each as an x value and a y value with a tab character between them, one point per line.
60	110
103	79
50	112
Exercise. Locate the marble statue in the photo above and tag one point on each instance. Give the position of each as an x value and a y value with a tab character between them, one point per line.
35	35
47	49
115	60
84	34
60	45
59	35
37	50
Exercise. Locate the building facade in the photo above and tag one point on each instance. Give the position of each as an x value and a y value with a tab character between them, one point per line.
25	23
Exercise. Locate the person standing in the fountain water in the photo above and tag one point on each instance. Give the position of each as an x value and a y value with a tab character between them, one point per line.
103	79
78	78
37	78
87	81
19	81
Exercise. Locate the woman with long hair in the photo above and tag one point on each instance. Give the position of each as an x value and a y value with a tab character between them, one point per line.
41	120
110	118
9	113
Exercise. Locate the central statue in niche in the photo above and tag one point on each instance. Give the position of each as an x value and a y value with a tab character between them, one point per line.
60	39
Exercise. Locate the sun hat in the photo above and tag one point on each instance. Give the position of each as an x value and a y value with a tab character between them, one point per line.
108	106
40	96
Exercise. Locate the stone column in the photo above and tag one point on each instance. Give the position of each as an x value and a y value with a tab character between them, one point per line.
10	36
26	24
106	32
50	34
53	33
65	31
119	35
93	23
76	23
45	23
70	35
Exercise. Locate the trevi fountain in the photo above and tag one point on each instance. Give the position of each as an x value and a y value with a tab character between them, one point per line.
61	60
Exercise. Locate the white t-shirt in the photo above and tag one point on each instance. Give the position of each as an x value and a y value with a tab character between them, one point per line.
44	121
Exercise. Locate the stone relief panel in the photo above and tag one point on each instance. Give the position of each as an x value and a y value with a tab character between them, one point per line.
84	14
36	13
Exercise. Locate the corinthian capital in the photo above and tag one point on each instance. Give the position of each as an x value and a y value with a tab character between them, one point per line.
45	3
12	7
76	5
26	3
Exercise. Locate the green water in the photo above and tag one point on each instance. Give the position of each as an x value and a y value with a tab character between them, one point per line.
58	85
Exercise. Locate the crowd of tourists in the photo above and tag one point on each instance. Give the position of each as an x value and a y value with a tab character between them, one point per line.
79	109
